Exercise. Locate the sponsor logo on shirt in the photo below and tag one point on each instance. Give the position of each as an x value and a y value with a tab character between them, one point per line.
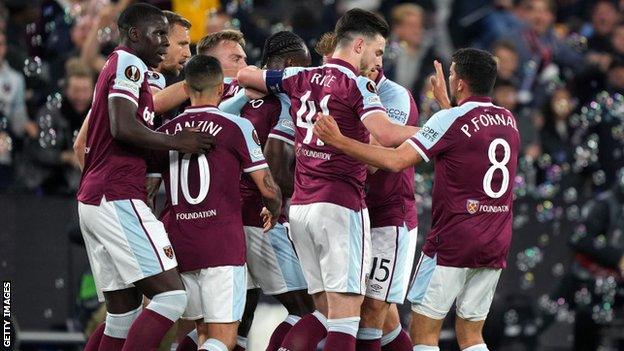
256	152
428	133
373	99
153	75
472	206
132	73
168	251
288	124
398	115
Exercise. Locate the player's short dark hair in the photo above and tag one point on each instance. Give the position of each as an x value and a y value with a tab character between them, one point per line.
137	15
210	41
203	72
280	44
358	21
175	19
477	68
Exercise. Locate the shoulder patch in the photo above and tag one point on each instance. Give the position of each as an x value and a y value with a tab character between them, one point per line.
132	73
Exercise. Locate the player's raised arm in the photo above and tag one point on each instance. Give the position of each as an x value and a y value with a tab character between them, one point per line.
252	77
393	160
271	194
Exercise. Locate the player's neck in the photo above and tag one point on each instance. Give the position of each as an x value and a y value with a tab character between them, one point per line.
204	100
344	55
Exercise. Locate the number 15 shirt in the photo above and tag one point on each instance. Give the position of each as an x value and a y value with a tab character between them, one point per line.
475	147
323	173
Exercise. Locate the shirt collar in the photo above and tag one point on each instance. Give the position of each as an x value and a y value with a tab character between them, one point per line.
343	63
475	98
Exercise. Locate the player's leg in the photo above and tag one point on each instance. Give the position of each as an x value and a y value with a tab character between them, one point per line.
140	253
253	295
343	238
394	337
217	336
432	293
473	305
274	267
393	249
311	328
223	292
123	300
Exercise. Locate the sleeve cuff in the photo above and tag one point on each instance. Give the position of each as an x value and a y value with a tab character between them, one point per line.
287	140
369	112
418	149
125	96
255	168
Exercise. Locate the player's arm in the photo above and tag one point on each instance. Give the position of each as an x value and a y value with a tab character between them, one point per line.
385	132
438	86
394	160
124	127
80	144
169	98
152	184
271	194
281	157
252	77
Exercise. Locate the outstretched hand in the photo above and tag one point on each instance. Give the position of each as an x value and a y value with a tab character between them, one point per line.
326	129
438	86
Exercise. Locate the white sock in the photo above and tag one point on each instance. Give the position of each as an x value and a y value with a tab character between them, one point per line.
170	304
321	317
241	341
292	319
388	338
369	334
118	325
349	325
213	345
478	347
425	348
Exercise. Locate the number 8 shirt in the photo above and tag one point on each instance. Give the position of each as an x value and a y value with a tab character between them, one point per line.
475	148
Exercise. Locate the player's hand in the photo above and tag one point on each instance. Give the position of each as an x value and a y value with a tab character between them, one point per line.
253	94
438	86
326	129
268	219
192	141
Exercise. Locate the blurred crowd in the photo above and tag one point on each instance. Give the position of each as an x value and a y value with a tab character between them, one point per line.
561	69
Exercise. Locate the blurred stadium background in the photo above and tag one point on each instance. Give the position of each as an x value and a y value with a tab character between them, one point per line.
561	71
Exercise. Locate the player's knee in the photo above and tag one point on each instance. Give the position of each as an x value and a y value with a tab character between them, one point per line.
170	304
373	312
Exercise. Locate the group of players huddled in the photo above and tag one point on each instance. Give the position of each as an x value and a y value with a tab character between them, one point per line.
292	179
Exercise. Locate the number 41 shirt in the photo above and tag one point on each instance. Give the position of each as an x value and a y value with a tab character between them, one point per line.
475	147
323	173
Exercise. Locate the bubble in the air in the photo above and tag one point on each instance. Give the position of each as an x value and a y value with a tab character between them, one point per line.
49	27
520	221
47	134
543	240
600	242
573	213
105	35
31	28
544	161
547	305
520	186
36	40
599	177
582	297
558	270
553	173
527	281
601	315
47	313
59	283
547	190
54	101
33	66
511	317
570	195
545	212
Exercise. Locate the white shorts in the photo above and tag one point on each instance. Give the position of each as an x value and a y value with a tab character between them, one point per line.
435	287
334	246
216	294
393	256
272	261
125	243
